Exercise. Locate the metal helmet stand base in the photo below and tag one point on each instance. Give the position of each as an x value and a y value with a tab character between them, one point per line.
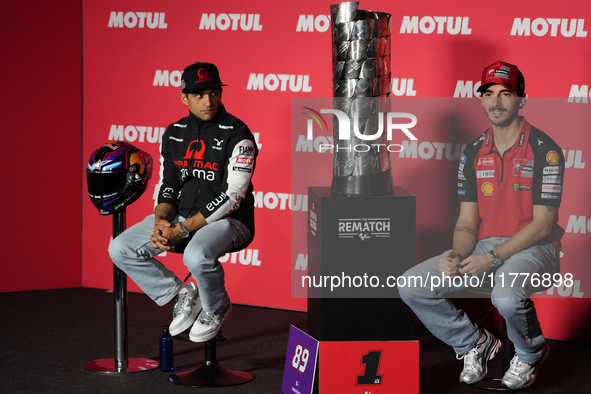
110	366
120	364
211	373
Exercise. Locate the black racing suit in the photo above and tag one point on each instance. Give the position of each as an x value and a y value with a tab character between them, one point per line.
207	166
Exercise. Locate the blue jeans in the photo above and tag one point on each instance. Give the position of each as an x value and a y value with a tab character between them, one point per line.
132	252
452	326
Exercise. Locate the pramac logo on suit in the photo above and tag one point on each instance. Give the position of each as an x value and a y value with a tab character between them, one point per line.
194	158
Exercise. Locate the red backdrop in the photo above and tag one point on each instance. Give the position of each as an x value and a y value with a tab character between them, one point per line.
270	52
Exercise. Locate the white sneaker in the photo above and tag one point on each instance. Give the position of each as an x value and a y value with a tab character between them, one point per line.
520	374
475	361
186	308
208	324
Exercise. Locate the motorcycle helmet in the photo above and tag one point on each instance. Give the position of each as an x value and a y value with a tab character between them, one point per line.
117	175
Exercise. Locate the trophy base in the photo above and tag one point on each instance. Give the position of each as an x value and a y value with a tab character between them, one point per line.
364	185
337	253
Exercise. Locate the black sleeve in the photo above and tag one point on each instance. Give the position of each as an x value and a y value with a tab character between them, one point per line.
548	169
170	188
467	184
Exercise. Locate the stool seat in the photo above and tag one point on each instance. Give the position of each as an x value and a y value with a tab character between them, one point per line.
210	373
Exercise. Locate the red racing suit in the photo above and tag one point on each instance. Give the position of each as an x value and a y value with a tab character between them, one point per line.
506	189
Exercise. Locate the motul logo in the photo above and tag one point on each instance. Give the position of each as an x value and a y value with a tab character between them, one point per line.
132	133
282	201
542	26
301	262
578	224
431	150
244	257
579	94
439	24
467	89
168	78
311	23
403	87
272	82
318	144
244	160
573	158
243	22
141	20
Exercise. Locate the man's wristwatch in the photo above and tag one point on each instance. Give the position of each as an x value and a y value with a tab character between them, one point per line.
496	260
184	232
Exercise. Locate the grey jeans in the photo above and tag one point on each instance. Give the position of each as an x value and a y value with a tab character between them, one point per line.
511	298
132	252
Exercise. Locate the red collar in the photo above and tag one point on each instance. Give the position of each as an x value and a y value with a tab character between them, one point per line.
520	145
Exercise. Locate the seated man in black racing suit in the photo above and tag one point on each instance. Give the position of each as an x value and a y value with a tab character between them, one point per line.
205	204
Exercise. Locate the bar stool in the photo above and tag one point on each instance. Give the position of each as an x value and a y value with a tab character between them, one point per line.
210	373
508	352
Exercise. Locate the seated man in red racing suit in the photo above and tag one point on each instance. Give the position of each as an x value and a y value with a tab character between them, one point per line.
510	188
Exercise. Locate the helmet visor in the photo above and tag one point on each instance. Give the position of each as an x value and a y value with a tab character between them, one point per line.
105	183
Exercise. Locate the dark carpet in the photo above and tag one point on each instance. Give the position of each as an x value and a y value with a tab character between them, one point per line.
47	336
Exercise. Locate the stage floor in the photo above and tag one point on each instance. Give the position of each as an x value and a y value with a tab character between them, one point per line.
47	336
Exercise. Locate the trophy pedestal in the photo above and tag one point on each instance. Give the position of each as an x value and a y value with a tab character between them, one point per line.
362	244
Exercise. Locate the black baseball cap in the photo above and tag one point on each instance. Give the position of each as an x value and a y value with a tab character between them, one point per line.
200	76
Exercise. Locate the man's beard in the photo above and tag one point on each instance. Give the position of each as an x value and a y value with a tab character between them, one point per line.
501	122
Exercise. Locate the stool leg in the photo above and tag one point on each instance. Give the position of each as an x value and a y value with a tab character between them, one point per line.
211	358
508	350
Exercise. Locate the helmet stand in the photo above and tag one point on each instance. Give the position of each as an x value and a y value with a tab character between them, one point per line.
121	364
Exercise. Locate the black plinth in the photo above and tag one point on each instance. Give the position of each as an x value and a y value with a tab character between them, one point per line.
364	238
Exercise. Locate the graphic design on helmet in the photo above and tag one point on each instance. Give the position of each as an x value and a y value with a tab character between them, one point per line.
117	175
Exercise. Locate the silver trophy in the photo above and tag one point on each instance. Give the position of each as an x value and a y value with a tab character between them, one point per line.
361	84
